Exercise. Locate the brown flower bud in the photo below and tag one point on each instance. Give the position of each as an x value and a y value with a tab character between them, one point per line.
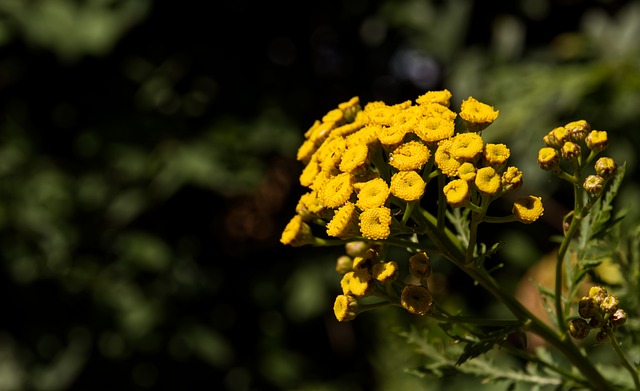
593	184
570	150
579	328
605	167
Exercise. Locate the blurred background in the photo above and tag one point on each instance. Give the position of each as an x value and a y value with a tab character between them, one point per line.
147	169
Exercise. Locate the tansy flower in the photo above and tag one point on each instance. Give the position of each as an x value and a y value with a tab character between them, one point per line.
511	178
496	154
456	192
309	206
350	108
597	140
407	185
391	135
375	223
360	284
345	308
380	113
558	137
438	110
364	136
416	299
477	115
444	160
347	129
309	173
466	146
412	155
373	194
528	209
467	171
385	272
488	180
439	97
336	191
354	157
570	150
345	282
605	167
548	158
306	150
297	233
419	265
335	115
577	130
320	180
435	128
344	263
593	184
320	131
330	153
344	224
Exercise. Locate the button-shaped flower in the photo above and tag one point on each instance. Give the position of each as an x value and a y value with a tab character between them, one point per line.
407	185
456	192
528	209
412	155
375	223
488	180
477	115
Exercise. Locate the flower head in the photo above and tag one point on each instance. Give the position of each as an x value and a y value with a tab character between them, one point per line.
548	158
457	192
496	154
488	181
385	272
593	184
354	157
419	265
336	191
297	233
416	299
373	194
345	308
511	178
528	209
375	223
434	128
577	130
440	97
597	140
445	160
466	146
344	224
570	150
605	167
407	185
477	115
467	171
412	155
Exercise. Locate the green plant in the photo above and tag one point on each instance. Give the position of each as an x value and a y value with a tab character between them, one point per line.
399	185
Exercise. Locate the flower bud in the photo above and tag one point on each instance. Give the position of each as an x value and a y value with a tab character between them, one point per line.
596	322
357	248
598	293
597	141
593	184
419	265
577	130
579	328
345	308
610	304
548	158
556	138
570	150
587	307
344	264
618	318
605	167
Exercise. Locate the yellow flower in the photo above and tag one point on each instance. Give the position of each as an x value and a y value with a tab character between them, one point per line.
297	233
548	158
345	282
456	192
379	113
466	146
557	137
570	150
407	185
444	160
386	272
373	194
335	115
488	180
320	180
467	171
350	108
364	136
347	129
330	153
496	154
391	135
419	265
345	308
597	140
439	97
337	191
477	115
309	173
438	110
434	129
306	151
605	167
354	157
416	299
309	206
577	130
375	223
344	224
344	264
360	284
511	178
412	155
528	209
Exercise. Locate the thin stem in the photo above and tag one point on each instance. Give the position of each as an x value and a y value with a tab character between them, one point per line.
564	246
623	359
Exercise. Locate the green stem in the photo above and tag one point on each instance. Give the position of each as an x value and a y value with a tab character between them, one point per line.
564	246
623	359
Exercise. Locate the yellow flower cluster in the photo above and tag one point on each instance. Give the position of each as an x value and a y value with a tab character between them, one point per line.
576	145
